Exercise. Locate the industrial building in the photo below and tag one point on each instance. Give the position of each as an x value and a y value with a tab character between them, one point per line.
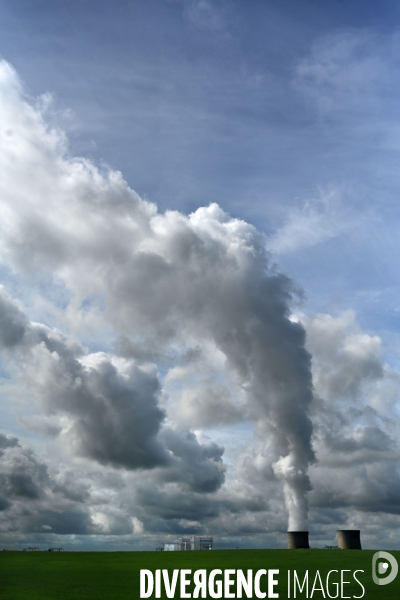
190	543
297	539
349	539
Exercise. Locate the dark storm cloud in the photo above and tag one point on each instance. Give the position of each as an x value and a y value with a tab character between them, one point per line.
22	476
168	504
367	488
7	441
233	509
4	504
116	417
113	410
33	499
64	522
114	407
198	466
12	322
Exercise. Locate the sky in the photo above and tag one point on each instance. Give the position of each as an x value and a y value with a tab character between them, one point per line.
199	316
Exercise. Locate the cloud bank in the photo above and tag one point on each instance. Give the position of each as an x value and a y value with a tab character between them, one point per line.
172	388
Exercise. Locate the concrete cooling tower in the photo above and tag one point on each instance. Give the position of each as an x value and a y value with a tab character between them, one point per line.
349	539
297	539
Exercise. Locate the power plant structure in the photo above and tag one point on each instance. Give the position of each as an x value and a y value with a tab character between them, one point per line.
190	543
349	539
297	539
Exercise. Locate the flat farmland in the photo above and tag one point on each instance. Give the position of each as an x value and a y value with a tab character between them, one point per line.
116	575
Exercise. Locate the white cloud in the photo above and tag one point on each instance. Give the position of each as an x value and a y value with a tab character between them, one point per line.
318	221
203	338
168	281
347	71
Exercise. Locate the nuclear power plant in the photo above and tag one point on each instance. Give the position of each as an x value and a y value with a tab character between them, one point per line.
297	539
190	543
349	539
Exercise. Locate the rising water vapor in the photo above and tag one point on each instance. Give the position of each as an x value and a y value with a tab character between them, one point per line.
170	284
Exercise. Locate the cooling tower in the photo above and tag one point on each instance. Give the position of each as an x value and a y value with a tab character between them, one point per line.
297	539
349	539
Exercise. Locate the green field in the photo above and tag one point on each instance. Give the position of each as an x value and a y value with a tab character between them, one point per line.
115	575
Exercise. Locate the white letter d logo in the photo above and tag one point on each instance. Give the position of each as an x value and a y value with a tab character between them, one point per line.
383	567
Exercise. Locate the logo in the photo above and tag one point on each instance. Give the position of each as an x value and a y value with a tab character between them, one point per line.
382	568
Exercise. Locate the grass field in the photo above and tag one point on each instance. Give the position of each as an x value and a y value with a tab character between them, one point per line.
115	575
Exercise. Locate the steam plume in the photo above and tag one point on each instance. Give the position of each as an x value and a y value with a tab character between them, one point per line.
168	282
